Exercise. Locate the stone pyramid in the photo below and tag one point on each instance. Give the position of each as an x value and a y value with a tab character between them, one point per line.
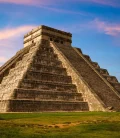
48	74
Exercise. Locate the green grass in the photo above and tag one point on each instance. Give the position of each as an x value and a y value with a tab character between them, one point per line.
60	125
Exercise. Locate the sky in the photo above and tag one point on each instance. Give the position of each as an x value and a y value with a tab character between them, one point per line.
94	24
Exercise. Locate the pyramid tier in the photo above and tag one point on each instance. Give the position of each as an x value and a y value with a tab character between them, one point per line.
110	78
38	106
95	64
48	59
4	70
87	57
48	62
43	49
46	55
37	75
44	85
13	70
48	69
32	94
102	71
46	48
83	67
116	85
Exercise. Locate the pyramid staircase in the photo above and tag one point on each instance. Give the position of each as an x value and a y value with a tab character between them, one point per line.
35	81
112	80
105	88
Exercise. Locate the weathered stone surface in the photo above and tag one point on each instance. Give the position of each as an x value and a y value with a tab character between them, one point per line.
48	69
37	106
78	66
34	94
11	81
40	83
50	75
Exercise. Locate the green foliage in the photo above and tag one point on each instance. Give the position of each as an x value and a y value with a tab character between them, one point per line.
60	125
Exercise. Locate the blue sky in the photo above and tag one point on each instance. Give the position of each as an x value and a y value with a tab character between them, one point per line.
94	24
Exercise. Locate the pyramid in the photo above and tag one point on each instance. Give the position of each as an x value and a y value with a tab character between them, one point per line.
48	74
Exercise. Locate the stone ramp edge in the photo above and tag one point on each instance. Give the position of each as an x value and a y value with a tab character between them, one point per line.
61	50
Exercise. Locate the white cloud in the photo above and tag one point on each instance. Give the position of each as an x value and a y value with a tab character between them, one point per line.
7	33
11	40
106	27
27	2
112	3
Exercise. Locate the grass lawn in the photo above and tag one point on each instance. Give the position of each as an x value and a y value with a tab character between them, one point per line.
60	125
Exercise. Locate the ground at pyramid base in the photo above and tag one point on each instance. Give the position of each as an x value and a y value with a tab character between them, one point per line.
48	74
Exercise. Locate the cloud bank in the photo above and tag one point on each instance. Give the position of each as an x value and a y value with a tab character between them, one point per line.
11	40
27	2
8	33
113	3
46	4
49	2
106	27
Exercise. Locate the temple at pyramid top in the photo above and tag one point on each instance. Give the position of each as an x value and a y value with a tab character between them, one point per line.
48	74
47	33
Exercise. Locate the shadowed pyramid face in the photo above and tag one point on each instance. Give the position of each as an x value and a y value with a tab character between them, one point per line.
48	74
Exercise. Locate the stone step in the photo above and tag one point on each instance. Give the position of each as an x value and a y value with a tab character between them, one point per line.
42	85
47	95
48	69
46	55
45	52
57	64
28	54
116	85
18	64
94	81
110	78
12	74
38	106
44	48
5	74
48	61
44	45
25	57
95	65
17	68
47	58
87	57
4	70
33	75
15	71
33	48
80	51
102	71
